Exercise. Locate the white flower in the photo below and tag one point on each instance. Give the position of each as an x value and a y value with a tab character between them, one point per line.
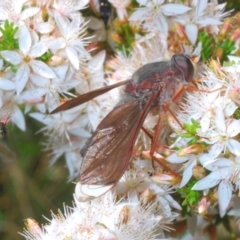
25	59
189	162
102	218
222	138
154	14
203	14
54	87
37	24
233	77
9	108
66	136
226	174
201	105
134	181
71	41
146	50
13	11
121	6
69	8
92	77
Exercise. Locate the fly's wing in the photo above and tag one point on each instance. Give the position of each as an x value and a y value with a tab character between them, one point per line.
107	154
87	96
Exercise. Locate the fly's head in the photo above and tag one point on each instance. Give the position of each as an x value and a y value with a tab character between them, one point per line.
185	66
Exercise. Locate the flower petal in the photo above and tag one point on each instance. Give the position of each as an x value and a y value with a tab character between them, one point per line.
62	24
38	49
224	196
25	40
220	120
142	2
18	118
41	118
22	77
221	163
187	174
233	128
138	15
6	84
72	160
230	109
172	202
42	69
174	158
73	57
44	28
57	43
29	12
174	9
216	149
201	6
206	21
98	60
40	81
205	121
234	146
33	95
206	183
192	32
12	57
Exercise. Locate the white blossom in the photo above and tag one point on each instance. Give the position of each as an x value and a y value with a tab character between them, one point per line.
26	61
69	42
154	14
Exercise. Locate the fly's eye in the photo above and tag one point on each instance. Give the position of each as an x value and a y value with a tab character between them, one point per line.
185	65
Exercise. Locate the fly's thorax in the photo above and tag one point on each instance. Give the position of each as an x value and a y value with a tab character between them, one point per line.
170	88
149	71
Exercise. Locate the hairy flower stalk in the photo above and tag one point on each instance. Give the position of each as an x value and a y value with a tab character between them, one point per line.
53	51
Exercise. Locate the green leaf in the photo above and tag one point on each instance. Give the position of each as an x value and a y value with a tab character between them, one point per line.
8	40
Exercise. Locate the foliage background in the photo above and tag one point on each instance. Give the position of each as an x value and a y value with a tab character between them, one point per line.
29	187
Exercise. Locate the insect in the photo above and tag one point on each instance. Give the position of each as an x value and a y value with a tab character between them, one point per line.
3	129
107	153
105	10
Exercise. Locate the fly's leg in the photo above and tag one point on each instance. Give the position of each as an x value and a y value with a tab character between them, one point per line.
154	145
193	89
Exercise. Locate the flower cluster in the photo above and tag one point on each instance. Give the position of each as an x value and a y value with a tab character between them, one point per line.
104	218
51	52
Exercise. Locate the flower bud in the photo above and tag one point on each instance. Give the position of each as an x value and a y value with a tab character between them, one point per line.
225	28
193	149
147	197
118	25
116	38
180	30
235	35
162	178
199	172
203	206
219	53
124	214
33	227
56	60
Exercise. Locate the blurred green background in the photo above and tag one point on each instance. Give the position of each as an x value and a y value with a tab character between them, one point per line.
29	188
